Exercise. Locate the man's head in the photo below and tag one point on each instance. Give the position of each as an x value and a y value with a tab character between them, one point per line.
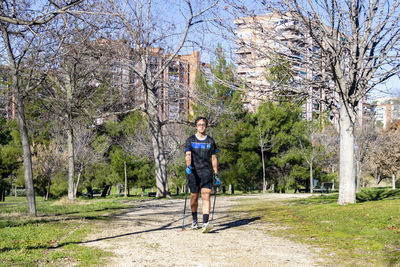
201	124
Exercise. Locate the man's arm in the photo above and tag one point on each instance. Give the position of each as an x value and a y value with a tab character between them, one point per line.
188	158
214	163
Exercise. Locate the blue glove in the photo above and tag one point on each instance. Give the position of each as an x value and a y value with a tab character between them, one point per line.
217	180
189	169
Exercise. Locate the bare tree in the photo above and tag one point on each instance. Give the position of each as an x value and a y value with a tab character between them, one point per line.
146	30
365	136
346	48
86	152
386	155
22	31
76	89
47	161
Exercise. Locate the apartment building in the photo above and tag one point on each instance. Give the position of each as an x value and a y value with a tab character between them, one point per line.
386	110
173	89
263	39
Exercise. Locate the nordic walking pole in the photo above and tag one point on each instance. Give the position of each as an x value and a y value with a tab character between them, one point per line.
217	183
215	196
184	208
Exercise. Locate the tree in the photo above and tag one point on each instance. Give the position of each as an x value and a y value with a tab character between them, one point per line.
387	153
144	28
365	136
21	36
47	161
355	46
311	146
77	90
131	135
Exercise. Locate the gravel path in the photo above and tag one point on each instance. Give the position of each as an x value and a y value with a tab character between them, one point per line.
150	234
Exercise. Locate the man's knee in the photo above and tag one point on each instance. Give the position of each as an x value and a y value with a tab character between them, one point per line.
205	192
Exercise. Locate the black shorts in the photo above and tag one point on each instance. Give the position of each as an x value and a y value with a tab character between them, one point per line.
197	181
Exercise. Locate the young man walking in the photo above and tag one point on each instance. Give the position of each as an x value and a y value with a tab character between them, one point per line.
201	162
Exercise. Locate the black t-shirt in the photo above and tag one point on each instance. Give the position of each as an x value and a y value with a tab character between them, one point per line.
201	153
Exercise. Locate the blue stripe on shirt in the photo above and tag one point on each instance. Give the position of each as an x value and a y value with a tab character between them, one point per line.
200	145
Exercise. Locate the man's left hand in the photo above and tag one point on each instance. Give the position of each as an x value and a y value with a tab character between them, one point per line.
217	180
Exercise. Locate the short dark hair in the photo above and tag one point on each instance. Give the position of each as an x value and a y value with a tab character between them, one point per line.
201	118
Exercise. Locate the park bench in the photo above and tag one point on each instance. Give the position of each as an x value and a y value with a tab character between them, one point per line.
325	188
152	194
302	190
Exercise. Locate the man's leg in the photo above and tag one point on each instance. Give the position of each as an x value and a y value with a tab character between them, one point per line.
205	201
194	203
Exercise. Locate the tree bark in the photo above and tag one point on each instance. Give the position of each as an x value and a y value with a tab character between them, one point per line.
393	181
158	146
262	158
77	181
358	178
70	141
23	129
105	191
48	190
347	185
311	178
26	149
125	177
71	165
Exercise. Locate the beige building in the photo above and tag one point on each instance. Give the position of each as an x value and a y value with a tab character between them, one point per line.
386	110
261	40
173	90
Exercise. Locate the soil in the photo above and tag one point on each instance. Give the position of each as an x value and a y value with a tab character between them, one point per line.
150	234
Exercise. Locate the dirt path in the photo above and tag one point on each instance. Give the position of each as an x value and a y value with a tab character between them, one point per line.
150	234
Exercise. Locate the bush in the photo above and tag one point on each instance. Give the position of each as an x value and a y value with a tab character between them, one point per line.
21	192
59	187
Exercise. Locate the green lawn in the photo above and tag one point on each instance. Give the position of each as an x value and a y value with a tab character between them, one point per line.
365	234
52	238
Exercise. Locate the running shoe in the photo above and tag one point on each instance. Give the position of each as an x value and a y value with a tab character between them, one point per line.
194	226
207	227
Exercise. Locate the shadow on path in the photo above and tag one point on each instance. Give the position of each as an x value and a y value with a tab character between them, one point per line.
235	223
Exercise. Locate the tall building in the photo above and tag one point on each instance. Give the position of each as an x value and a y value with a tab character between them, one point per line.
264	39
173	88
386	110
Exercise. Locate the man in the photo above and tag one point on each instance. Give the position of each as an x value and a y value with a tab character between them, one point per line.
201	161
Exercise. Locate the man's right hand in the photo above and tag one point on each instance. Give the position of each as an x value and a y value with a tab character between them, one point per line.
189	169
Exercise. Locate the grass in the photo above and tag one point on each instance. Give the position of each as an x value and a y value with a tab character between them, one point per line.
365	234
53	237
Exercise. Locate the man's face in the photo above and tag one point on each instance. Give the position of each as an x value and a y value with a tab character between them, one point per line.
201	126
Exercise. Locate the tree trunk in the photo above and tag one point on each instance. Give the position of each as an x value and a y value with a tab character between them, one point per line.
23	129
105	191
125	177
311	178
262	158
71	165
48	190
70	140
347	194
358	177
26	150
90	191
2	195
158	146
77	181
393	181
